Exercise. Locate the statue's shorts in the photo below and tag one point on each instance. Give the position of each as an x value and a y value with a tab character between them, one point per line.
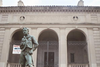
26	58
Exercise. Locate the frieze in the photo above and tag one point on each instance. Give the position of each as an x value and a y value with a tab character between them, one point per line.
49	9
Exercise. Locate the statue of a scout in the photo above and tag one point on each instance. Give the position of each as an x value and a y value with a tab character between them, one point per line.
28	45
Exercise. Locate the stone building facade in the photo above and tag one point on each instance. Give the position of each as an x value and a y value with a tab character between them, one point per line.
69	36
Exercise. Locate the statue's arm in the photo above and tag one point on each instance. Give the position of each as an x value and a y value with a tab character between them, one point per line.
22	44
36	44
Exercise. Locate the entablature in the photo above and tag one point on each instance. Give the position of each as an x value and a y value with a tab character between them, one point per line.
11	9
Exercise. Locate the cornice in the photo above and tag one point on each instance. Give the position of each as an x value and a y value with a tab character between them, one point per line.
11	9
51	25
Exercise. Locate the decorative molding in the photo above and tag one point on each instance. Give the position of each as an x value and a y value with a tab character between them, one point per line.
4	18
2	29
96	36
22	18
62	28
75	18
34	27
49	9
94	18
37	25
96	29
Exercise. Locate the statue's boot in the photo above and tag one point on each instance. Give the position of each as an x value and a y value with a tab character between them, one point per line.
30	65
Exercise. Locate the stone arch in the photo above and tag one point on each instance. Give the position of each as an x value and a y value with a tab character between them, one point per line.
77	47
48	29
81	30
16	37
14	31
78	30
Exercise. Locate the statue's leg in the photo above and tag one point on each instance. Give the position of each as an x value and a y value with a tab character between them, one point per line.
29	60
22	60
23	63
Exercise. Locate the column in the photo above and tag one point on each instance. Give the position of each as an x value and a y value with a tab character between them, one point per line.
91	48
5	49
62	48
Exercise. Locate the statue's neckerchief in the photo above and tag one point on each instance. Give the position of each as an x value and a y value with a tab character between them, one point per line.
28	36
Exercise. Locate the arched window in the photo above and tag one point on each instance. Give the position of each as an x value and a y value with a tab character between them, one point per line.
47	55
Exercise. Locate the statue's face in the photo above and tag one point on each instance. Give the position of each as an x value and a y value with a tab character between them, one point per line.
25	31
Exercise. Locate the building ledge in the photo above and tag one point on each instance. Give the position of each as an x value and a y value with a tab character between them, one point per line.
49	9
50	23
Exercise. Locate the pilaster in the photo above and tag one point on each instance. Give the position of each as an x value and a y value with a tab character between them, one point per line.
5	48
96	33
91	48
62	48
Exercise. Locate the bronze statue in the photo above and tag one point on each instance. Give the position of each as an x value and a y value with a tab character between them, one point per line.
27	45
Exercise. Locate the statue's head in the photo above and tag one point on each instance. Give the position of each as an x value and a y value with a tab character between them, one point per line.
25	31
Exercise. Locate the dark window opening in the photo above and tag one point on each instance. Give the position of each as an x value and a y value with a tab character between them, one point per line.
72	57
49	59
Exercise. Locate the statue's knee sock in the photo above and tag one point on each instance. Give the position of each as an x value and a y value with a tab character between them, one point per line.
30	65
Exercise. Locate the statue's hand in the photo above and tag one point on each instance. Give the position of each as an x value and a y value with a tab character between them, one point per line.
34	49
31	52
22	45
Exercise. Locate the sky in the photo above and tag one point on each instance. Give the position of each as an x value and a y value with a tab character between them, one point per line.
51	2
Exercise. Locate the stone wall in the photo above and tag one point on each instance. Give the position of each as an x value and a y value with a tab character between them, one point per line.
96	34
50	17
2	33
